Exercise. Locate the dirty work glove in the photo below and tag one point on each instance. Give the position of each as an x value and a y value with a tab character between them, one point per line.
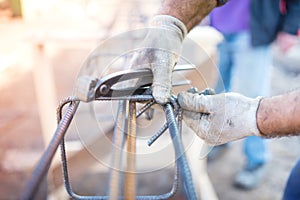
220	118
160	51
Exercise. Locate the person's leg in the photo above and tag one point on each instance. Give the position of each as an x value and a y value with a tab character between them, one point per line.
251	77
251	68
292	188
255	149
224	64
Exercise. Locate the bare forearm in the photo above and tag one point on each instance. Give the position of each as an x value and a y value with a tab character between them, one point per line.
190	12
280	115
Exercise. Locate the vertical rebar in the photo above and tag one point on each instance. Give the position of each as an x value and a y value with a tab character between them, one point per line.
130	179
185	172
117	147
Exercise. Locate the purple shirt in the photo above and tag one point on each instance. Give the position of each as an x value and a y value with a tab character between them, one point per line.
233	17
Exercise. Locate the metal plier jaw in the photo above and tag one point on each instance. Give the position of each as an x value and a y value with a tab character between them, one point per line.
118	84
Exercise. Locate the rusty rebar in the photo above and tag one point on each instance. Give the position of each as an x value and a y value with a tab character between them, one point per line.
130	179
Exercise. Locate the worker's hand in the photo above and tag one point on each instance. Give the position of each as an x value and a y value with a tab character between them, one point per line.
220	118
160	52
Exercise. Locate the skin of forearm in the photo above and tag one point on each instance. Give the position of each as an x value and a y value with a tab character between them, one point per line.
280	115
190	12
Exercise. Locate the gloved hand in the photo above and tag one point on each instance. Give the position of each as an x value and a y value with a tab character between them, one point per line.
220	118
160	52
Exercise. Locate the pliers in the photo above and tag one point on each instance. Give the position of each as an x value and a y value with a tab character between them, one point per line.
119	84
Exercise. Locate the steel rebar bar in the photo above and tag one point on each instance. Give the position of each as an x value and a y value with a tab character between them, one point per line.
44	163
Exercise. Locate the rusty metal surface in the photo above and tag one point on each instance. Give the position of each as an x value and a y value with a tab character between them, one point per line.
130	179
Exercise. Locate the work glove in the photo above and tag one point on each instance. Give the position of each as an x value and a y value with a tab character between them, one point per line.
221	118
160	52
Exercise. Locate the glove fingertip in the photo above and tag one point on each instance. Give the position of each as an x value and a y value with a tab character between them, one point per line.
193	102
161	96
181	100
185	101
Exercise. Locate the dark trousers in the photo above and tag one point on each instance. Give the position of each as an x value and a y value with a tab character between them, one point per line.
292	188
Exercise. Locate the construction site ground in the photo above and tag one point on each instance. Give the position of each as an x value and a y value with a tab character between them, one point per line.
21	141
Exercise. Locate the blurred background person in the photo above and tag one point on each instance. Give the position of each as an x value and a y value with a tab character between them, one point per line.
244	65
245	62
